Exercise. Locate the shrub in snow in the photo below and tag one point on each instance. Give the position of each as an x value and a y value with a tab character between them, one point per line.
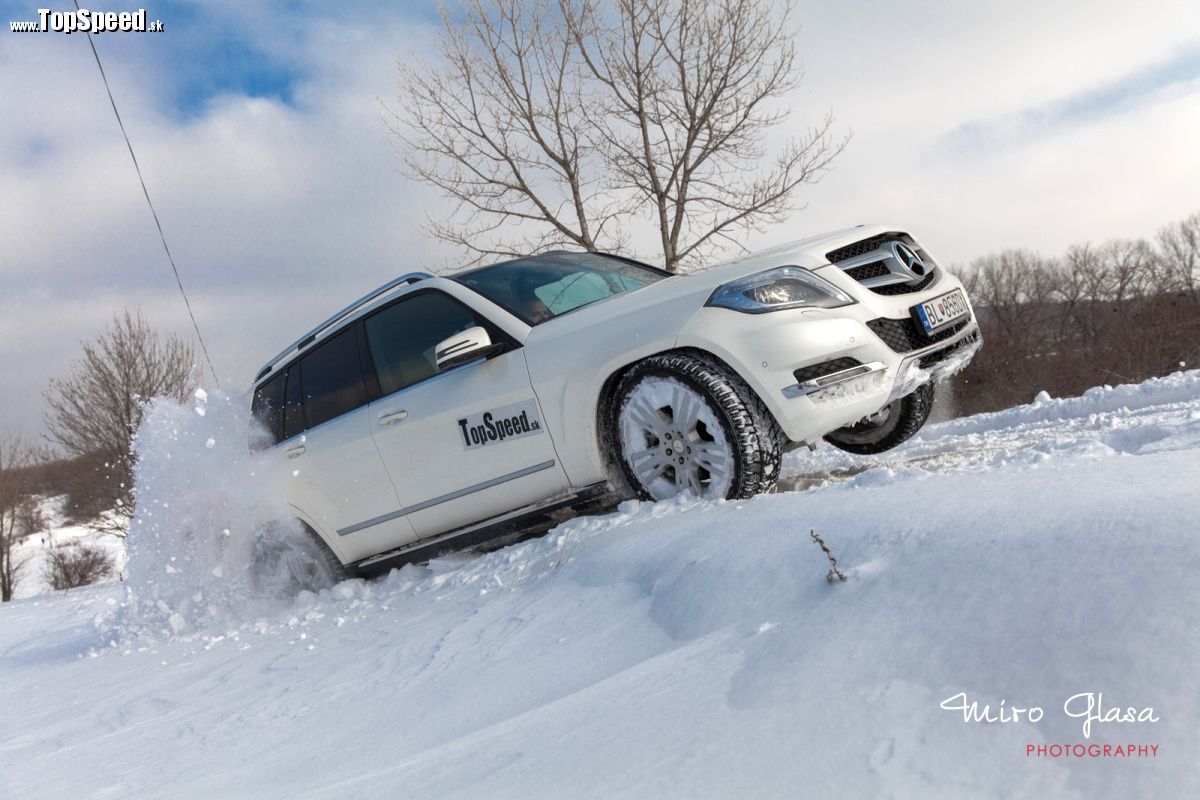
74	565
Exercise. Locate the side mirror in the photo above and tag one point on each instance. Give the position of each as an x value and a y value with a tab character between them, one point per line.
462	348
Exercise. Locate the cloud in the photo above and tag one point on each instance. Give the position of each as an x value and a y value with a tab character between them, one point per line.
277	206
903	75
1178	75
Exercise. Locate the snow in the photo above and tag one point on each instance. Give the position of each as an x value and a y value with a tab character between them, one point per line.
676	649
201	493
34	549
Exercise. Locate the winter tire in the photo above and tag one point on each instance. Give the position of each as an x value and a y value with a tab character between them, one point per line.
289	558
685	422
892	425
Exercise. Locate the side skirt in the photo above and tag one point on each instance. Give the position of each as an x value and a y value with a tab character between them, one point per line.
494	532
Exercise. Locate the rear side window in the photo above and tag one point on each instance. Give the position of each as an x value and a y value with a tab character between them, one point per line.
332	379
402	337
293	404
267	407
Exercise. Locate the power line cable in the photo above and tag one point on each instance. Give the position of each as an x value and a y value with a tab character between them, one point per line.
149	202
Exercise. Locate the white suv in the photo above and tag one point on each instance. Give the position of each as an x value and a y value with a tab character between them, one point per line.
442	412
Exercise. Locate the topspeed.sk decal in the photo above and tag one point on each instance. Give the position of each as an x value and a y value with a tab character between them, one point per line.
500	424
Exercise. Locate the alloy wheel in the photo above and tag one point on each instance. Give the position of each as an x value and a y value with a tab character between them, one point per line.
672	441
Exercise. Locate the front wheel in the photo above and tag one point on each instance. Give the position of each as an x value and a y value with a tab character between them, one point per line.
888	427
687	423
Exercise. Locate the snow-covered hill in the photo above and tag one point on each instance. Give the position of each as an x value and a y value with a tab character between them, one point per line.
32	552
686	649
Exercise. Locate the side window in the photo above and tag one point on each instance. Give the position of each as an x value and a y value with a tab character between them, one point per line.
293	404
402	337
332	379
267	407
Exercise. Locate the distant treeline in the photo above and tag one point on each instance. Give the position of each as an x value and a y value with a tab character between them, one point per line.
83	480
1118	312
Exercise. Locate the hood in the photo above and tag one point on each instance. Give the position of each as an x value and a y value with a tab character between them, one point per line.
693	288
808	253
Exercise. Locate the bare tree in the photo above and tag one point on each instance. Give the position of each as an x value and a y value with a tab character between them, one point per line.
691	89
1013	285
14	518
502	127
96	410
556	122
1179	256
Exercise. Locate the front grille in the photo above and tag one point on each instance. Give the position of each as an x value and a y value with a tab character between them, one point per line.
874	270
905	335
905	288
814	371
857	251
941	355
860	248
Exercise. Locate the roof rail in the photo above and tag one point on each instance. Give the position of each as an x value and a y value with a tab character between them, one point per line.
403	280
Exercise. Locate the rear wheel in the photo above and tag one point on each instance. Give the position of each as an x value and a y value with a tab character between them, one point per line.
289	558
892	425
686	423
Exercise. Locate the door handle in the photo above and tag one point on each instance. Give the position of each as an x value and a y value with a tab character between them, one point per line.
388	417
294	452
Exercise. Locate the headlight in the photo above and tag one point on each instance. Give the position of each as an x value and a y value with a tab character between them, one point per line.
777	289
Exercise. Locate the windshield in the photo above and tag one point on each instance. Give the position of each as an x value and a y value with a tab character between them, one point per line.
543	287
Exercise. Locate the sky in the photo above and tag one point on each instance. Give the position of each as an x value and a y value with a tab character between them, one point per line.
259	128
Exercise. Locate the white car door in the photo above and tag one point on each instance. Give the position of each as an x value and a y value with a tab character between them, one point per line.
333	475
462	445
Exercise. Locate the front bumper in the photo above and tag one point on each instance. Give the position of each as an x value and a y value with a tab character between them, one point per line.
821	369
934	362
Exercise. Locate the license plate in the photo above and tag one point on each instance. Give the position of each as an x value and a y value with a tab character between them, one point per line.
942	311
